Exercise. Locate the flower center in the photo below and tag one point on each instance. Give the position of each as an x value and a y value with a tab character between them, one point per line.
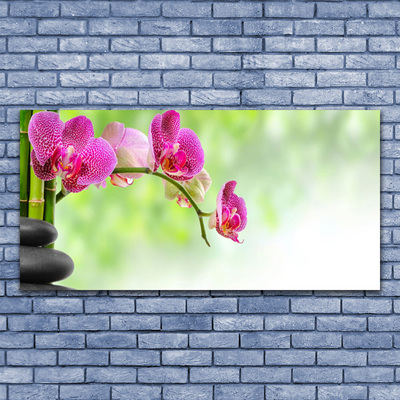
230	221
65	162
173	160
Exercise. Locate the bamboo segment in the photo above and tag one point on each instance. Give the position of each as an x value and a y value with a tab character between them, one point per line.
36	196
49	200
25	116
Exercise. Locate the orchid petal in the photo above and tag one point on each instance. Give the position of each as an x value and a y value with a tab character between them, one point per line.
212	222
43	172
72	186
45	132
155	141
98	161
120	181
77	133
113	133
198	186
171	191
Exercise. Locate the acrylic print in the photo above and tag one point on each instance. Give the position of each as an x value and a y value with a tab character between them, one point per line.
200	200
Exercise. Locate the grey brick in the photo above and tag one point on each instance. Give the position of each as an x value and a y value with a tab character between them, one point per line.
136	392
267	61
238	10
214	375
368	374
291	392
346	10
193	45
268	28
270	97
389	44
59	375
130	9
266	375
17	26
135	44
178	97
31	357
92	391
318	27
337	392
62	61
289	323
342	78
163	340
216	27
237	45
386	323
384	357
36	9
261	340
241	323
32	323
317	96
288	10
113	26
290	357
111	375
366	306
160	305
165	27
164	61
342	358
368	97
109	96
382	392
321	305
162	375
88	45
61	97
213	340
187	323
135	357
17	61
341	323
84	322
212	305
135	322
60	341
113	61
136	79
12	340
341	45
384	78
186	357
319	61
263	305
179	392
317	340
83	79
32	44
38	392
239	392
61	27
215	97
179	9
238	357
384	10
370	61
286	45
215	62
289	79
83	357
374	28
186	79
57	306
367	341
111	340
317	375
109	305
85	9
32	79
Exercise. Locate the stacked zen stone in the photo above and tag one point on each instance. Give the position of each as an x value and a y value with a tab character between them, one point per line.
39	264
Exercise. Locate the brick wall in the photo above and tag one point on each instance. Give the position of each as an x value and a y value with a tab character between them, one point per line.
199	345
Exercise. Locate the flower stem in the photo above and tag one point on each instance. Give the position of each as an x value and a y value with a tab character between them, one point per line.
25	116
148	171
36	196
62	194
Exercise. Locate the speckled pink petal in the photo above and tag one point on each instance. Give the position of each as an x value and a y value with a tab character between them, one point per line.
44	131
223	198
190	144
43	172
77	132
72	186
155	141
114	133
98	161
240	205
170	124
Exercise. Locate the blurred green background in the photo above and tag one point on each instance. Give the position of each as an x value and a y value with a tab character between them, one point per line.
310	180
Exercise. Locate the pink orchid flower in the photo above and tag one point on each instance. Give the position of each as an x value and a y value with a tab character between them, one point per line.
131	148
177	150
196	187
69	150
230	217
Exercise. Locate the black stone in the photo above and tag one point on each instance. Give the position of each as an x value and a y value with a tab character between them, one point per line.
43	265
34	232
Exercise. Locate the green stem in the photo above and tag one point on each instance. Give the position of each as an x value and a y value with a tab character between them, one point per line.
148	171
36	196
25	116
62	194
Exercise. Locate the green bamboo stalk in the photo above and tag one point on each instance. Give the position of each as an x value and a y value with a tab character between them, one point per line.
50	188
25	116
36	196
